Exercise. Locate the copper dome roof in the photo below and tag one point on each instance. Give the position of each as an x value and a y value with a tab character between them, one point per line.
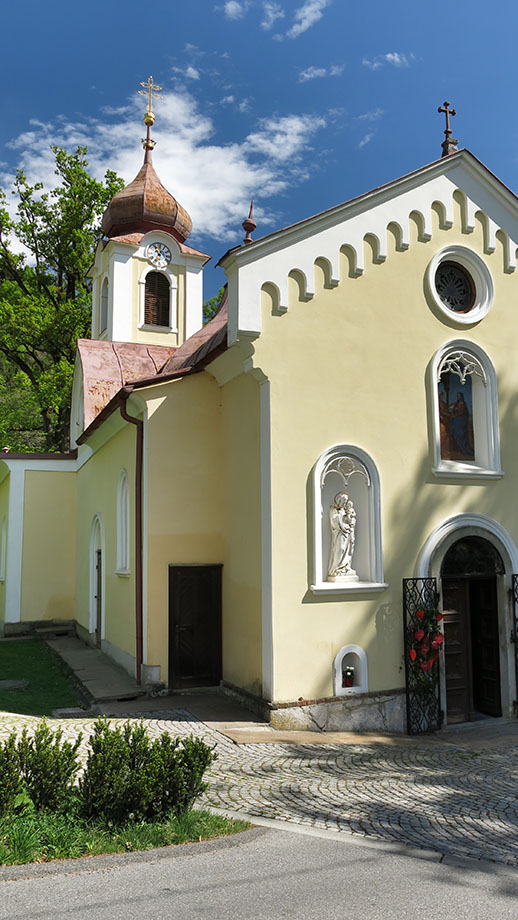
146	205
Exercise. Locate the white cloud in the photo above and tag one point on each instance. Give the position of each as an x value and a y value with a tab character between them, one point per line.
234	10
189	73
396	58
272	12
284	137
365	140
375	115
314	73
306	16
227	100
213	181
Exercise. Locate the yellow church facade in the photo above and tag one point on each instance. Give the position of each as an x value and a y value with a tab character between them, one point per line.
268	501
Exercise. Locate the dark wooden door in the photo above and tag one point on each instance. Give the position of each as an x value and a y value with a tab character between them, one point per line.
471	648
194	625
98	597
457	649
485	647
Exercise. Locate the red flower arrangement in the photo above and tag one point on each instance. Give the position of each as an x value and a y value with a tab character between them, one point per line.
428	639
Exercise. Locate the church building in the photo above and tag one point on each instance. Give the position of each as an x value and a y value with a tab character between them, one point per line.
312	500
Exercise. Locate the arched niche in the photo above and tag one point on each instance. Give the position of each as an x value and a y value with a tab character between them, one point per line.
464	405
350	658
347	470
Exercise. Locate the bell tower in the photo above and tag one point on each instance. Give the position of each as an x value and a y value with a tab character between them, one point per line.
147	283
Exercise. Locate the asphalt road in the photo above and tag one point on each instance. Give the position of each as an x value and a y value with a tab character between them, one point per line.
264	874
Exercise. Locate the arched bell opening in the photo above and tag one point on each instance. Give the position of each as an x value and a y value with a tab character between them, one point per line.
472	573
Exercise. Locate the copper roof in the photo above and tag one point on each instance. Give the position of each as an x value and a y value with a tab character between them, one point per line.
135	239
202	346
108	366
145	204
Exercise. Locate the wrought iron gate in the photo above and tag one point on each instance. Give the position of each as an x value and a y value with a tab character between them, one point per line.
423	696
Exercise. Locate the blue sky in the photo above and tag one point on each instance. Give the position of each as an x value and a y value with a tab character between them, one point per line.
299	104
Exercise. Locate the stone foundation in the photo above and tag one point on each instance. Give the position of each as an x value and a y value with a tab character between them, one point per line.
366	712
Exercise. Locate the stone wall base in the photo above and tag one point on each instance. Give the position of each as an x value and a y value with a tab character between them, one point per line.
362	712
367	712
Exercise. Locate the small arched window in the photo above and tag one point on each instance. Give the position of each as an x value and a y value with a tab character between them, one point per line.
123	536
156	301
465	412
103	320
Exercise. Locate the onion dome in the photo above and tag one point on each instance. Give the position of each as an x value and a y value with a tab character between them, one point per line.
145	204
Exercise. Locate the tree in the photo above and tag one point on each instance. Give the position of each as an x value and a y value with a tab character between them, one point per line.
211	306
45	297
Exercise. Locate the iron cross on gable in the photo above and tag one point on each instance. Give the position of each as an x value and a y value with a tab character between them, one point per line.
447	111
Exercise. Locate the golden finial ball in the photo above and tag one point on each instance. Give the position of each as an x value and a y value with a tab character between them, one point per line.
149	118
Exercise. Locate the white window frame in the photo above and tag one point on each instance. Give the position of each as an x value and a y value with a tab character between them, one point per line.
480	274
486	464
123	525
173	301
371	577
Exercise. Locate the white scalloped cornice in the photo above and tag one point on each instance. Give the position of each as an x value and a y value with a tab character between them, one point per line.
270	260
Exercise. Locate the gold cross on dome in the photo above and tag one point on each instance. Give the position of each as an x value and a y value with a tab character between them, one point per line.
153	88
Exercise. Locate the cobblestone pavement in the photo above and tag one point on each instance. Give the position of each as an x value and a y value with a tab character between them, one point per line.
436	796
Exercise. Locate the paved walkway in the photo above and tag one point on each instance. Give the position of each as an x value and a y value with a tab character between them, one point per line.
455	794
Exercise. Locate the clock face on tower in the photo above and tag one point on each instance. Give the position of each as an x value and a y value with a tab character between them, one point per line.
158	254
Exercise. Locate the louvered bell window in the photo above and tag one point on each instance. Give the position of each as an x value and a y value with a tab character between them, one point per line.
156	309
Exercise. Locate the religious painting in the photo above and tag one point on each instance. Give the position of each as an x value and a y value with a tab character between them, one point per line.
456	417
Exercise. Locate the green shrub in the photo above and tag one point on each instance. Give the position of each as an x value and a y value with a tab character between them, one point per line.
48	766
130	778
10	780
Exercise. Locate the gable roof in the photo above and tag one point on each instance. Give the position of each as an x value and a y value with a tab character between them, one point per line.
344	228
444	164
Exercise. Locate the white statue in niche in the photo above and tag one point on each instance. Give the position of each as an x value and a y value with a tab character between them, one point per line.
342	519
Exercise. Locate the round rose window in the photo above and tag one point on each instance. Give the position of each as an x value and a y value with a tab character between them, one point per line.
455	287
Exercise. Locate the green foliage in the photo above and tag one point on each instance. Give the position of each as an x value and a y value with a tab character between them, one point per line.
44	836
48	766
45	297
10	779
211	306
130	778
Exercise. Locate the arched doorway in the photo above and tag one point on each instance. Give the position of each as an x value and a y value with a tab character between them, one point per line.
97	580
470	571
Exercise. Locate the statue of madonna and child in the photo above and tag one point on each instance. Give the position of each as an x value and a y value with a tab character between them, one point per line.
342	519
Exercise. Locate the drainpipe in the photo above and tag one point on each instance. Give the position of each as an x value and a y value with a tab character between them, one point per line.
138	422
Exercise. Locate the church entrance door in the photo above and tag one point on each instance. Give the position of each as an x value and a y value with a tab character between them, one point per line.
471	644
194	626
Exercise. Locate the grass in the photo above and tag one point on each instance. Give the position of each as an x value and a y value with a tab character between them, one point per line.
49	688
42	837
